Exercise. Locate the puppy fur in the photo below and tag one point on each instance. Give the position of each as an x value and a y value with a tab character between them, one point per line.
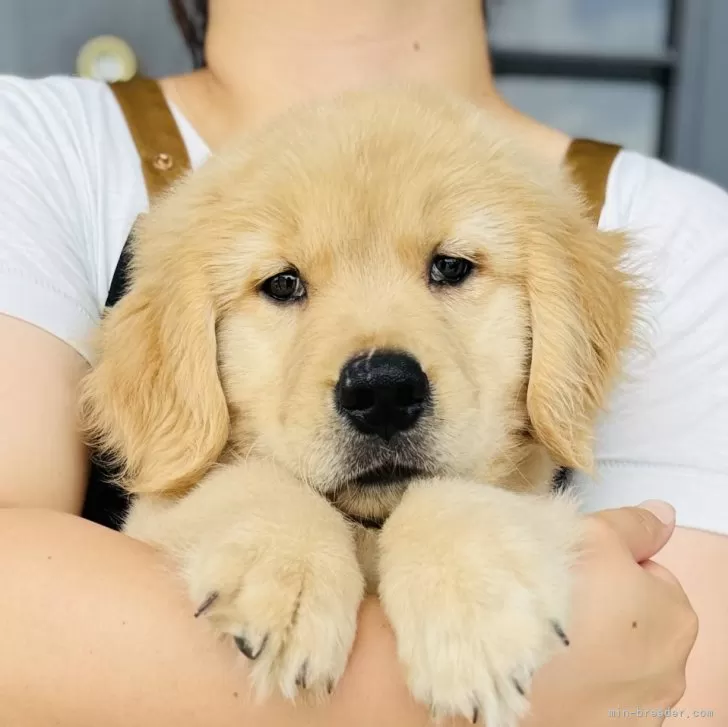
219	402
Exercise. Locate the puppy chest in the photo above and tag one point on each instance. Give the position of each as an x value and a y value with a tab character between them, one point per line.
367	551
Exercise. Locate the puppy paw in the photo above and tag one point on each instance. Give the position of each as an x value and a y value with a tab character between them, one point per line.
475	582
287	589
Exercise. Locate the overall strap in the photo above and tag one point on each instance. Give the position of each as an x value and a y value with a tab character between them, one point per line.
155	133
590	163
161	149
164	159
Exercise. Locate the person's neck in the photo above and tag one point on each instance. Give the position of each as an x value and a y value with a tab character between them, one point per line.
263	58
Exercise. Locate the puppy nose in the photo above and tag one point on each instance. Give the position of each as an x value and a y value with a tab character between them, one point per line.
382	393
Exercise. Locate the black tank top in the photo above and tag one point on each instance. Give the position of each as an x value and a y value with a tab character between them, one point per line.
106	503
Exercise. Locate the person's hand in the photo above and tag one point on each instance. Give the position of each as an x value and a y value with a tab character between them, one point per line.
632	630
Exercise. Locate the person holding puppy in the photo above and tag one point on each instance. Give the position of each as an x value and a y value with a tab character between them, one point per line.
102	633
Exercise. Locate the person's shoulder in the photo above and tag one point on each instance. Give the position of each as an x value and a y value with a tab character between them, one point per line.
47	85
678	220
71	188
62	122
649	196
59	102
663	435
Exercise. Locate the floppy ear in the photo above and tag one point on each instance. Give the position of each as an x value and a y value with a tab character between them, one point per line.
582	304
154	400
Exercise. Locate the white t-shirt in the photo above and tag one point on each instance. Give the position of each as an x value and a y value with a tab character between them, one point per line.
71	186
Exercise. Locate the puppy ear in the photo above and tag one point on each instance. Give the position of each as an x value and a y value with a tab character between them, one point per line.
582	304
154	400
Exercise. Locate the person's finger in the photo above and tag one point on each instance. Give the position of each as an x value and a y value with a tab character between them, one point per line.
644	530
660	572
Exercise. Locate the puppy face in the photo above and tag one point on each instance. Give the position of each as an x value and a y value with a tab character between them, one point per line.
376	334
365	291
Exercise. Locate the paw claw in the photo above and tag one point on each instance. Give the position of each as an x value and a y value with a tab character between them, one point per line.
519	687
476	715
206	604
247	649
330	686
301	679
285	607
560	633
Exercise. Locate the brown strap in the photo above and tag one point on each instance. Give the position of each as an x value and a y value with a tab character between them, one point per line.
155	133
590	163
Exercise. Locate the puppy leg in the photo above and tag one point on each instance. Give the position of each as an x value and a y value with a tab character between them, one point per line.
274	566
475	581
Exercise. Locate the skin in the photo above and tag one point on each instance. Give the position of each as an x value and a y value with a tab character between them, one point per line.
43	462
108	605
103	634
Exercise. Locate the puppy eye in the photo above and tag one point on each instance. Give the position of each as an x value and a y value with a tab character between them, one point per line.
285	287
449	270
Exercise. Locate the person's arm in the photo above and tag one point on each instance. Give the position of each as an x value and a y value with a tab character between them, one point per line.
42	457
102	634
49	260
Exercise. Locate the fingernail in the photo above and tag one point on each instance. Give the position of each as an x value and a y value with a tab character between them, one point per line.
247	648
663	511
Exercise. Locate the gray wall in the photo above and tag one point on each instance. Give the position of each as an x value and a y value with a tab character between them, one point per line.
699	138
42	37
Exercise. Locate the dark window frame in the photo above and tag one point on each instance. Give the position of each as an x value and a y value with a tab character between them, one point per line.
660	69
692	73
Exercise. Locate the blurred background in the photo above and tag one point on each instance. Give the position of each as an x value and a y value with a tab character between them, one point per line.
648	74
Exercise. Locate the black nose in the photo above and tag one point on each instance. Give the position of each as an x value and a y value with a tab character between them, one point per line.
382	393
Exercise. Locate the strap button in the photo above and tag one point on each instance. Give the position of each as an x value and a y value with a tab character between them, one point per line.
163	162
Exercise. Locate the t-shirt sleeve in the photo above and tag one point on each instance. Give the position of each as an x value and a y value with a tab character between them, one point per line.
665	435
47	203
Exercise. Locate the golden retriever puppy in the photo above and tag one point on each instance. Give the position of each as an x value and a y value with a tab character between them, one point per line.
356	345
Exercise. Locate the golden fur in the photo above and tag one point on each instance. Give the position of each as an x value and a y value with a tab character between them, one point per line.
218	402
